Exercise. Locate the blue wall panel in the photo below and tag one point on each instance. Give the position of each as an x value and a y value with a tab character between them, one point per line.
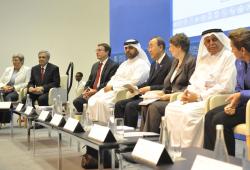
139	19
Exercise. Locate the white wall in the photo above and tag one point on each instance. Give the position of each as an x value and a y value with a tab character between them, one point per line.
68	29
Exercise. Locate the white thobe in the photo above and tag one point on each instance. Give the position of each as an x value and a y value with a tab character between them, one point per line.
213	75
133	71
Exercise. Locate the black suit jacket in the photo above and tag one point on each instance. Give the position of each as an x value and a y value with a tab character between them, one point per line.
51	77
181	79
108	71
156	77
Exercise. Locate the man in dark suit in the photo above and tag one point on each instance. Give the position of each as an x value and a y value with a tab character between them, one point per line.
177	80
129	108
44	76
101	73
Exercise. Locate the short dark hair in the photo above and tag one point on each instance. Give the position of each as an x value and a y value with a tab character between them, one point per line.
160	42
240	38
80	73
107	48
180	40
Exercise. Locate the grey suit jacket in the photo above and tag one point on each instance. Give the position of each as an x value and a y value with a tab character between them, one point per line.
181	79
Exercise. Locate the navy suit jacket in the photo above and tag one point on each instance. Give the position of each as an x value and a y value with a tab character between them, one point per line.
156	77
51	77
243	81
108	71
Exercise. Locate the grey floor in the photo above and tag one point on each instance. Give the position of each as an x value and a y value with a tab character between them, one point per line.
14	154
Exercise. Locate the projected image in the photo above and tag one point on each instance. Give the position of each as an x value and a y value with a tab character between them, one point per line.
194	16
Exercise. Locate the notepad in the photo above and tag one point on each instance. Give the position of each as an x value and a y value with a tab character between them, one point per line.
146	102
205	163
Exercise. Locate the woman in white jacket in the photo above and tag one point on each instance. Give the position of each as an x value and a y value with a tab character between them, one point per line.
14	78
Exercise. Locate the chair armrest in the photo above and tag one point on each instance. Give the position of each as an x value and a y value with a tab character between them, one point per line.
123	94
54	92
215	101
120	95
22	93
130	95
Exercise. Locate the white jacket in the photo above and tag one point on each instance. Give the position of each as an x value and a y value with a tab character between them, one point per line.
22	78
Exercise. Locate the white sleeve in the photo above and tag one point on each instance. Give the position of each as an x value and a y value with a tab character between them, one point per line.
27	72
226	79
2	79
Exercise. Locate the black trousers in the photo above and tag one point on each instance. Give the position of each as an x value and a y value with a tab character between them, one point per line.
12	96
78	103
5	116
128	109
42	99
217	116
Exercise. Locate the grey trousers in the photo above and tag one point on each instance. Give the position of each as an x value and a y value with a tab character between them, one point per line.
151	116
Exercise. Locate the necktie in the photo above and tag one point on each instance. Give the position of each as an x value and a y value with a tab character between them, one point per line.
42	73
97	76
157	66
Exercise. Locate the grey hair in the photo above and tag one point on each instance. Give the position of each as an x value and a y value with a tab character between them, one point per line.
19	56
46	52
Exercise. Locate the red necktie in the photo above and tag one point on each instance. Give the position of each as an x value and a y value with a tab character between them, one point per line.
97	76
42	73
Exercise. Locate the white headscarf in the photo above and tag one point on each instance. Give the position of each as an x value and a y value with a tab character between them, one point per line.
137	45
222	38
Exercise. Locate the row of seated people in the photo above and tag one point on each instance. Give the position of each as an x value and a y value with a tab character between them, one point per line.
38	80
135	71
213	72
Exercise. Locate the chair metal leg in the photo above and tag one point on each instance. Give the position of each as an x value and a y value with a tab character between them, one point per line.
25	122
19	120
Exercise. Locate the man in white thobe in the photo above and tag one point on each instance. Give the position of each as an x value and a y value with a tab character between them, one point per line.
133	71
214	73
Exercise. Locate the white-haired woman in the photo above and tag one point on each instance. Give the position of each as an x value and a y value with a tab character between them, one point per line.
12	80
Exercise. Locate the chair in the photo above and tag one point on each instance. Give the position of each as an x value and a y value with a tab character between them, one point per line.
62	91
242	129
123	94
21	95
53	93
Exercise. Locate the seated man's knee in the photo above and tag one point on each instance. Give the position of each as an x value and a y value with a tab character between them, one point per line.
76	102
131	105
43	100
118	104
218	119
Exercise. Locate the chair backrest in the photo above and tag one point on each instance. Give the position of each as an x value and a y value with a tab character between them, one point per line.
63	81
215	101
